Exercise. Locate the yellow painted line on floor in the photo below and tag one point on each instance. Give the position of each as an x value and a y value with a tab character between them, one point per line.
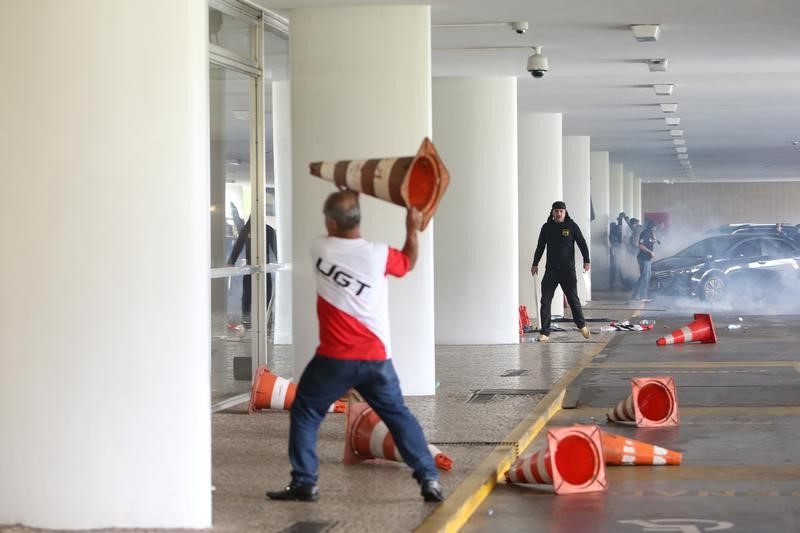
600	412
704	473
459	506
695	364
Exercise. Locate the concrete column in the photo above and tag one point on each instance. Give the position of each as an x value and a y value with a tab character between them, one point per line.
600	260
577	196
637	198
476	250
361	88
627	192
104	376
615	197
282	131
540	184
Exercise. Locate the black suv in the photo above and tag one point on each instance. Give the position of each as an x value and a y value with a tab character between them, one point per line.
718	268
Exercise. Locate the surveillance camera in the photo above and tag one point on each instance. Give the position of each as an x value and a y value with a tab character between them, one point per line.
519	27
537	63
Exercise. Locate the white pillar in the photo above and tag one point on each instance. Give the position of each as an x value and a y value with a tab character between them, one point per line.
600	203
361	88
577	196
637	198
615	199
104	375
282	145
627	192
540	184
476	249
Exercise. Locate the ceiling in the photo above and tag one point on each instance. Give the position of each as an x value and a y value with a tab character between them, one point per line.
735	65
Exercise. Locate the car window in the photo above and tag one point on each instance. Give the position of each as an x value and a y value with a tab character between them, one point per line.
713	246
778	248
746	250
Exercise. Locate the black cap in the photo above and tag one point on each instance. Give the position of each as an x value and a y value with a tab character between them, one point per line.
559	205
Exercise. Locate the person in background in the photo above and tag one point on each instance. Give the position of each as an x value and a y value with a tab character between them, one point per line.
243	241
647	242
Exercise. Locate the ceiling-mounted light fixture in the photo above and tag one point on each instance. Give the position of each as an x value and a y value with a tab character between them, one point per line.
657	65
676	133
680	149
669	108
646	32
663	89
672	121
519	27
678	142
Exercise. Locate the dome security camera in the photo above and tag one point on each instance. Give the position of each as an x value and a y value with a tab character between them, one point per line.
519	27
537	63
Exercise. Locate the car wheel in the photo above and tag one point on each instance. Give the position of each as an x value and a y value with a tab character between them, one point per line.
715	289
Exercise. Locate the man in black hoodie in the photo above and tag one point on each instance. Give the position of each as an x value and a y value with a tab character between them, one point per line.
560	234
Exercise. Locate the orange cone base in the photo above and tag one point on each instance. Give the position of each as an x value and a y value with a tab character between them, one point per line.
701	330
653	403
572	460
619	450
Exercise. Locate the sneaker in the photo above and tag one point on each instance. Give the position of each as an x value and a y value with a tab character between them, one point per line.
432	490
543	338
303	493
585	332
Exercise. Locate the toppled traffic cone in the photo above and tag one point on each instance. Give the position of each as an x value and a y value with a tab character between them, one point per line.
572	461
367	437
653	402
619	450
416	181
701	330
273	392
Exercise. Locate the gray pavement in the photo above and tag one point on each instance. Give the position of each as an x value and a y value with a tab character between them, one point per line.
739	403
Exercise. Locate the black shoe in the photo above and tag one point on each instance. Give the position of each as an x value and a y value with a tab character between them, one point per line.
303	493
432	491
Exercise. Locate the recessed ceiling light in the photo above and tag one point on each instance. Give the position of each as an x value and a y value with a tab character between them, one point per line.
663	89
676	133
680	149
672	121
679	142
657	65
683	156
646	32
669	108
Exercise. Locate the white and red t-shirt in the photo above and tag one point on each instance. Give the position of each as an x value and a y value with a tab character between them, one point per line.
352	296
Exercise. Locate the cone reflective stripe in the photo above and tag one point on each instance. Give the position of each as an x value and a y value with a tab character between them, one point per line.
368	437
572	461
619	450
273	392
701	330
415	181
653	402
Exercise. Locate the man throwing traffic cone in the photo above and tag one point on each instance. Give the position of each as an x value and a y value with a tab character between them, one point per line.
353	313
560	234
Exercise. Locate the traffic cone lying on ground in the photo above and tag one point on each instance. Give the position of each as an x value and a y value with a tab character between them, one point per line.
619	450
415	181
701	330
367	437
571	461
653	402
272	392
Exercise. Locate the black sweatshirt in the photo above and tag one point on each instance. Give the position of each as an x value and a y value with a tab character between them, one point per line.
560	240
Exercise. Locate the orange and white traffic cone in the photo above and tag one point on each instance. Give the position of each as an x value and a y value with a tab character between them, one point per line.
572	461
524	321
701	330
653	402
415	181
273	392
367	437
619	450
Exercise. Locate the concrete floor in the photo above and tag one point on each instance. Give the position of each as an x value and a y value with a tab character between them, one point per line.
739	426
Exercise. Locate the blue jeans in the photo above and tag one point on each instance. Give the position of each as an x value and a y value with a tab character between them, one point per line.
644	279
326	379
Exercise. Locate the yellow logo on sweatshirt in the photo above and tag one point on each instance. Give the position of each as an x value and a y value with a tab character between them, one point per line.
565	232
